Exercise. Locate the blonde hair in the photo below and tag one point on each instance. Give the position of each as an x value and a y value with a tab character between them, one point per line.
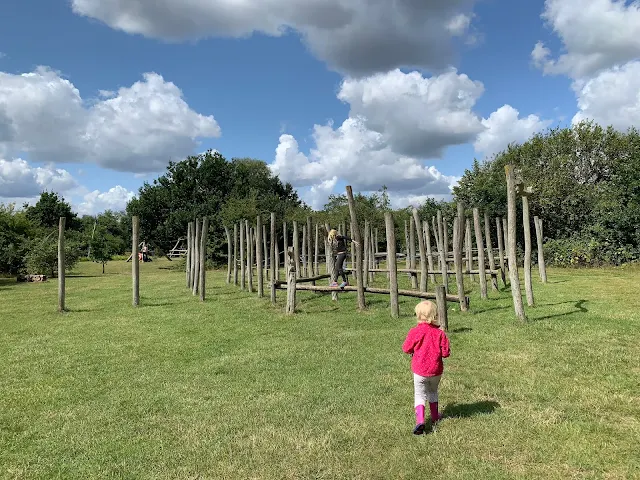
333	241
426	312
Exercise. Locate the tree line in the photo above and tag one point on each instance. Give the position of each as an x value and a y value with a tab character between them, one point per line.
585	181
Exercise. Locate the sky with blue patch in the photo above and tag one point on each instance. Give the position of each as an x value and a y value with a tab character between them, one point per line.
258	87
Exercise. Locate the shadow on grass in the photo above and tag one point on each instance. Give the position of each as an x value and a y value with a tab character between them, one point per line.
579	305
461	330
466	410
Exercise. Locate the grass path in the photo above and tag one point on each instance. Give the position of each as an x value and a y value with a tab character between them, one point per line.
233	389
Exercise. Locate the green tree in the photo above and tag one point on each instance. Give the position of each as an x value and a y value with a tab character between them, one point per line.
48	209
15	231
102	246
42	255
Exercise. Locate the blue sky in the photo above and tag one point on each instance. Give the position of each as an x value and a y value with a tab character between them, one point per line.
258	87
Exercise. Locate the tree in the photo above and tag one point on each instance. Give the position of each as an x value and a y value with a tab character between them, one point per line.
42	255
15	231
102	246
48	209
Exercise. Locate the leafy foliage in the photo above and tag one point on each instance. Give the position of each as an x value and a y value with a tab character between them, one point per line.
42	255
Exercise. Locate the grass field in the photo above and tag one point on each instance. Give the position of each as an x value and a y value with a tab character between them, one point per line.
233	389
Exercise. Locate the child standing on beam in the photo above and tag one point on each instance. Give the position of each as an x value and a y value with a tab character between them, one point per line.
427	345
338	244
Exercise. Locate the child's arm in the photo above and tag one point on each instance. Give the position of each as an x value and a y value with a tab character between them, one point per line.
445	351
409	343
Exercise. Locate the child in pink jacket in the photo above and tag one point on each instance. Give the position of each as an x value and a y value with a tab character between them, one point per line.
427	345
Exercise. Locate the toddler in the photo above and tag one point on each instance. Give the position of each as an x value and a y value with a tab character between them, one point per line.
427	345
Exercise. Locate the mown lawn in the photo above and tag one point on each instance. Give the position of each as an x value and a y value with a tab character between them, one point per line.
233	389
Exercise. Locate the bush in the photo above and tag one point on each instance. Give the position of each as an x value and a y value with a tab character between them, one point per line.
42	256
582	251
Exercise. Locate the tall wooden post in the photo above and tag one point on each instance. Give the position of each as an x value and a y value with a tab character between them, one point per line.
441	304
358	241
468	245
265	252
407	254
492	262
542	269
528	285
274	263
392	264
291	280
505	232
501	250
243	270
259	259
296	247
427	240
412	252
188	256
235	254
229	254
423	252
511	243
61	265
480	246
196	258
203	257
458	234
309	248
135	262
443	252
316	253
304	273
365	264
249	238
445	230
192	256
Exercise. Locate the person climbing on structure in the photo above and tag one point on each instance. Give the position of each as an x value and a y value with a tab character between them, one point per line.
338	244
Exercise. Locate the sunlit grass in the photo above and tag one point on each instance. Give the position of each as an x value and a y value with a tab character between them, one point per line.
234	389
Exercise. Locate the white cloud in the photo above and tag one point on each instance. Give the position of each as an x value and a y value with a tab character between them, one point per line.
596	34
316	196
18	179
504	127
138	129
611	98
416	116
358	37
115	199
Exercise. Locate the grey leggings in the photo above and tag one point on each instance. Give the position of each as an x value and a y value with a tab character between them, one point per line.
425	389
340	259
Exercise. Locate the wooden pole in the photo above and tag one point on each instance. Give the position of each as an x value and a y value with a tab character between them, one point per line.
480	246
135	266
358	241
235	254
445	230
442	250
441	304
316	257
296	246
392	264
541	265
249	238
423	252
273	260
501	249
528	284
196	258
265	252
427	238
192	255
291	280
309	248
229	254
511	244
285	236
203	257
458	233
365	274
505	232
189	247
259	253
243	269
412	251
492	262
304	251
376	249
468	245
407	254
277	259
61	265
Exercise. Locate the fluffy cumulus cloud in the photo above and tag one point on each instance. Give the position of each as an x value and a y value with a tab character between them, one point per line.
357	37
504	126
115	199
20	180
612	97
416	116
597	35
136	129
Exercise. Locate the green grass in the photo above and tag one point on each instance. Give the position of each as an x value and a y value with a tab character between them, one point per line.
233	389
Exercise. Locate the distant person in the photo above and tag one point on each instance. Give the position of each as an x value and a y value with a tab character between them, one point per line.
427	345
338	244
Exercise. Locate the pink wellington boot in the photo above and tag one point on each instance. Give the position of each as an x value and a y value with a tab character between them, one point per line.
419	428
435	416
